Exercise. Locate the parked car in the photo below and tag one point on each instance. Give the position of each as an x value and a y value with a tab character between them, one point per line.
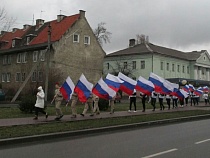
2	95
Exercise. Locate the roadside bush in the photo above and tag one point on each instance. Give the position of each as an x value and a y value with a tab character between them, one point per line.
103	104
27	103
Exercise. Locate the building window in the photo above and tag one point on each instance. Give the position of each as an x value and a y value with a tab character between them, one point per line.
33	78
183	69
134	64
76	38
188	69
19	58
24	57
23	76
125	65
204	58
42	55
161	65
107	66
4	59
203	72
28	40
13	43
87	40
173	69
18	77
8	77
35	56
9	59
178	68
40	76
167	66
3	77
143	64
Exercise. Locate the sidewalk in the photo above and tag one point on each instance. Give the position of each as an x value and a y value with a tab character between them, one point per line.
103	115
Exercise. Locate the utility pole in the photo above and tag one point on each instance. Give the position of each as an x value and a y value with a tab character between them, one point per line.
47	62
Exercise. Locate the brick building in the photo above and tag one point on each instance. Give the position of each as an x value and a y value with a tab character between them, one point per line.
74	50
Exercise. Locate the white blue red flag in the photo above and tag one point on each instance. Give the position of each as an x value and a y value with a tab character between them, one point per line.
169	87
102	90
205	89
191	87
128	85
186	88
181	94
157	81
144	86
198	91
83	89
67	88
113	82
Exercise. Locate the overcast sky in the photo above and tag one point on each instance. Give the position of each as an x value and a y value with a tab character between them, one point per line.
178	24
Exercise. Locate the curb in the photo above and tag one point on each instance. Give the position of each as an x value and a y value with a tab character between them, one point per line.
35	138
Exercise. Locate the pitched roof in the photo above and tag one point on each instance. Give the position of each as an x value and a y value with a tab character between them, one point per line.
57	30
151	48
9	36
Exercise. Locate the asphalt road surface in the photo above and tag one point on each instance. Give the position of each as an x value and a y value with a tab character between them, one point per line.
184	140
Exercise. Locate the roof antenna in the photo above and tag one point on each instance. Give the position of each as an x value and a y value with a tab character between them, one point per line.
60	12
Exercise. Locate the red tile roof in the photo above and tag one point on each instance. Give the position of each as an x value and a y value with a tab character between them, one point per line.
57	30
8	36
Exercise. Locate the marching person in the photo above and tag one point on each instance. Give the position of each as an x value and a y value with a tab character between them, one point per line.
143	100
175	99
39	106
192	98
186	99
74	99
111	102
196	99
206	97
133	100
88	105
96	108
161	97
58	97
153	100
168	100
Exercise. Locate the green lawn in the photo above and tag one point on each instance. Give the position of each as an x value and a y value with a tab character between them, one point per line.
16	113
26	130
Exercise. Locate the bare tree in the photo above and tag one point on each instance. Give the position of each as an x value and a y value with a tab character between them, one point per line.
6	22
101	33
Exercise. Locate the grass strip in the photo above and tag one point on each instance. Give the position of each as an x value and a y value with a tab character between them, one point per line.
29	130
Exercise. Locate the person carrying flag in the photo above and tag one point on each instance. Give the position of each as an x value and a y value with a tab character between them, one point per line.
168	100
133	100
161	97
206	97
96	108
175	99
143	100
74	99
153	100
88	105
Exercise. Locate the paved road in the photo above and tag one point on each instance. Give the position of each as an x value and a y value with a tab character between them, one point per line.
184	140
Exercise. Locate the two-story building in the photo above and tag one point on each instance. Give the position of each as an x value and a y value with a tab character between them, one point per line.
143	58
73	50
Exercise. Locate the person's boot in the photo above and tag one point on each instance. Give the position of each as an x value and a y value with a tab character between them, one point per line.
46	116
35	118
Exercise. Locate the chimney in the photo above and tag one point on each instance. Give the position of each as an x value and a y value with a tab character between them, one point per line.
39	23
26	26
82	13
132	42
3	32
60	17
14	29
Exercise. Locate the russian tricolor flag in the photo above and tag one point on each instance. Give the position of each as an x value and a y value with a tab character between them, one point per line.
181	94
191	87
113	82
186	88
205	89
102	90
83	89
128	85
157	81
144	86
198	92
67	88
169	87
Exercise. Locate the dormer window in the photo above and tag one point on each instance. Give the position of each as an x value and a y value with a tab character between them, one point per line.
28	40
76	38
13	43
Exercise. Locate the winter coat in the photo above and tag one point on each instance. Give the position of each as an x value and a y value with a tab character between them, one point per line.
40	99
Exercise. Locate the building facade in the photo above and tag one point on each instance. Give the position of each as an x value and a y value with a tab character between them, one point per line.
73	50
141	59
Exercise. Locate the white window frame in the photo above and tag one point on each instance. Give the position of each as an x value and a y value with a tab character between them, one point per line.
77	39
134	65
34	78
88	37
5	60
143	64
28	40
35	56
3	77
125	65
42	55
13	43
161	65
40	79
8	77
167	66
19	58
9	59
24	57
23	76
16	77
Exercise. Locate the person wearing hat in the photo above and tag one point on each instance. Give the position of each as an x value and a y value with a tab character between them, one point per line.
39	106
58	99
96	108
